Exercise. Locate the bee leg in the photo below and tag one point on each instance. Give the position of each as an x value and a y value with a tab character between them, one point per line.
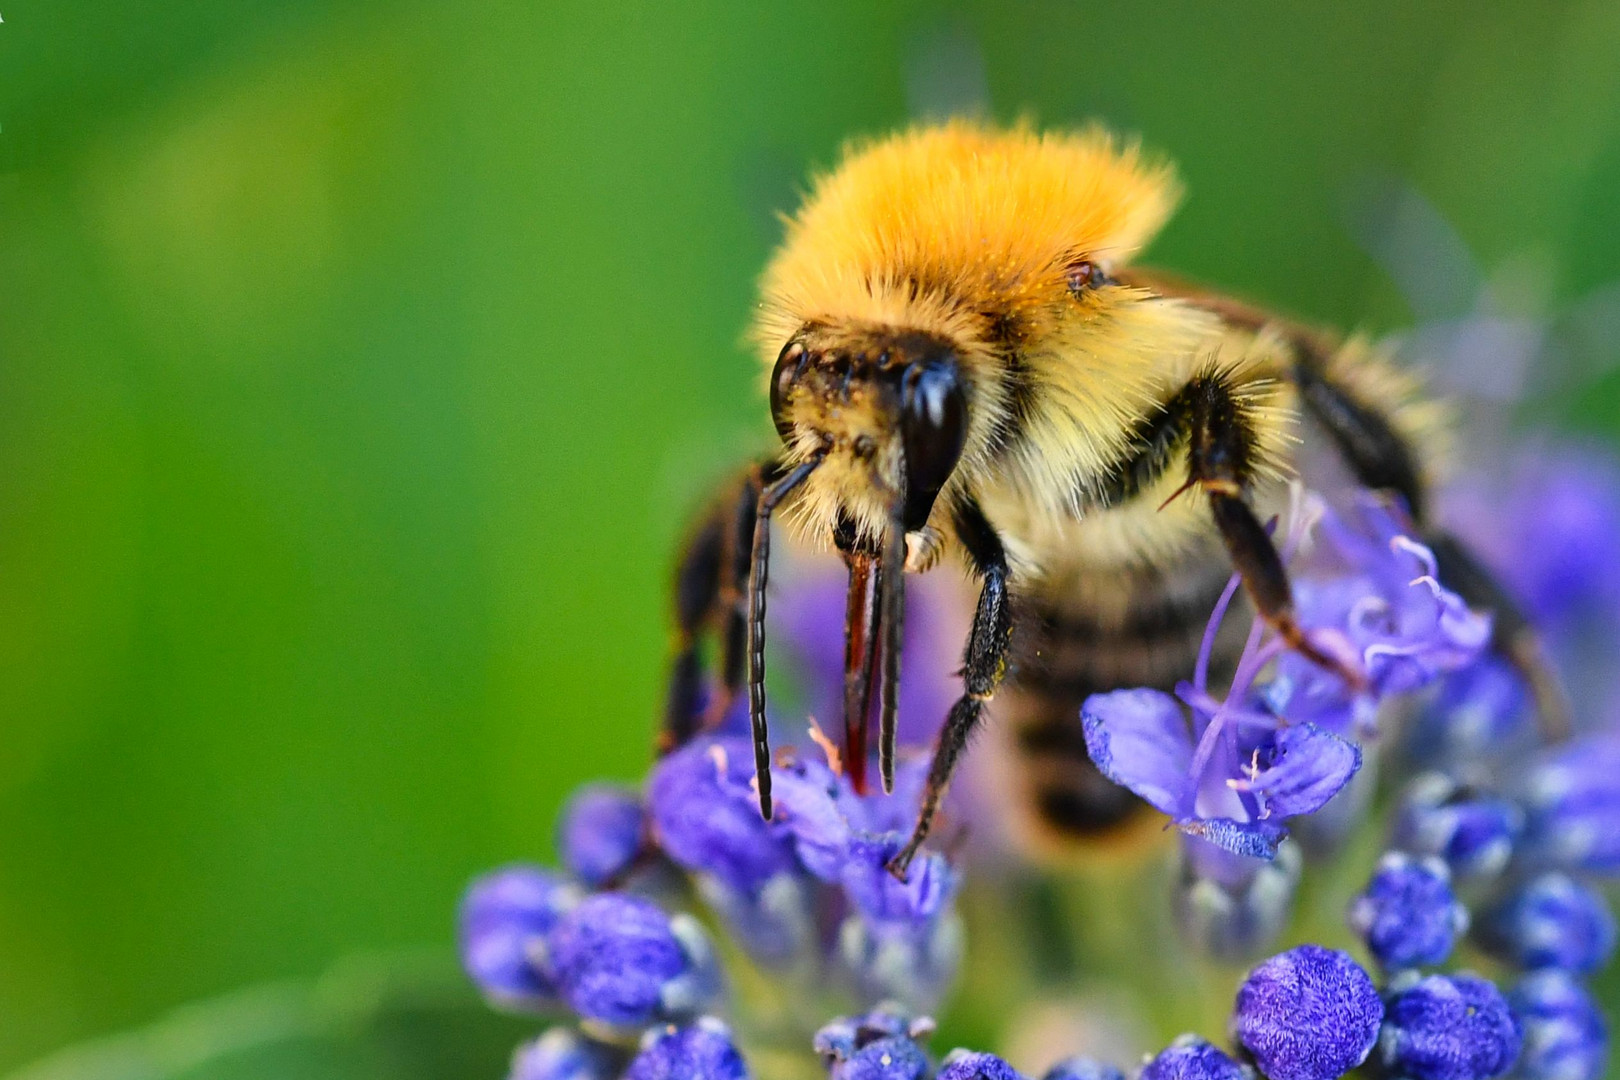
1219	461
984	665
711	580
1380	459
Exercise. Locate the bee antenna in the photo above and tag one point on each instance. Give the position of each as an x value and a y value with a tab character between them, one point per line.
892	588
758	569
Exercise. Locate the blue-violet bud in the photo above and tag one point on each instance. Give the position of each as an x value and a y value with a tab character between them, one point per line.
1473	833
1083	1068
1550	921
1408	915
1448	1027
1191	1058
971	1065
703	1050
1573	800
620	960
1308	1014
1565	1035
504	919
600	833
564	1054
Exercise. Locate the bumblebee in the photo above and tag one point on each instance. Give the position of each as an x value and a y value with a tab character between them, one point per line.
964	364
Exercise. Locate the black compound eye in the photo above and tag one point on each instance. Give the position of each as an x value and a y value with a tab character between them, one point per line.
1084	275
789	365
933	429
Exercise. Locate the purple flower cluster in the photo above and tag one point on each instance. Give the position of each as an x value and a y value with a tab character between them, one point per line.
824	851
1493	839
1230	772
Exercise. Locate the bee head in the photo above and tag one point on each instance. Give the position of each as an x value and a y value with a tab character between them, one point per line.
887	409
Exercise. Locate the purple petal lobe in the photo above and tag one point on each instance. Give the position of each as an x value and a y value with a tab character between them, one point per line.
1251	839
1139	738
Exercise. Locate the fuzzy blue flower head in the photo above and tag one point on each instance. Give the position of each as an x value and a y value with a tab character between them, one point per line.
969	1065
1473	833
1448	1027
702	1050
565	1054
505	917
1565	1034
1308	1014
1083	1068
901	941
1573	800
1192	1058
882	1045
707	818
1408	915
1550	921
601	833
621	961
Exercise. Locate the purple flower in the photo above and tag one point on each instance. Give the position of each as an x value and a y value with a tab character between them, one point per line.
1550	921
900	940
1565	1035
1234	794
1408	915
1448	1027
565	1054
600	834
1378	598
970	1065
1565	559
706	816
1573	803
504	919
1233	908
1191	1058
1473	833
702	1050
622	961
1481	713
839	1040
1083	1068
1308	1014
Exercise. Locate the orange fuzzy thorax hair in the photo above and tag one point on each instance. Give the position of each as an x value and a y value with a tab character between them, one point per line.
960	208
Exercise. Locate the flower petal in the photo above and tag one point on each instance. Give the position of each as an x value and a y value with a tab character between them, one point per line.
1139	738
1300	770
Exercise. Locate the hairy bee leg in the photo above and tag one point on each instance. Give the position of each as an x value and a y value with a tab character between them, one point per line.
710	582
984	665
770	496
1380	459
1219	460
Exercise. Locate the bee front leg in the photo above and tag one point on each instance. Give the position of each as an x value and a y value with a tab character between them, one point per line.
711	581
984	664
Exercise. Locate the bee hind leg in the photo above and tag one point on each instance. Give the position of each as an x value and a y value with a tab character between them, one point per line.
984	665
1380	459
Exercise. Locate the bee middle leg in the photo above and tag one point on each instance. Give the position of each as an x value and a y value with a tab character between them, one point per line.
984	664
1220	456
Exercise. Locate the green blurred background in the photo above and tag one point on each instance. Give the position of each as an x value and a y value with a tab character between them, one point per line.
359	362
